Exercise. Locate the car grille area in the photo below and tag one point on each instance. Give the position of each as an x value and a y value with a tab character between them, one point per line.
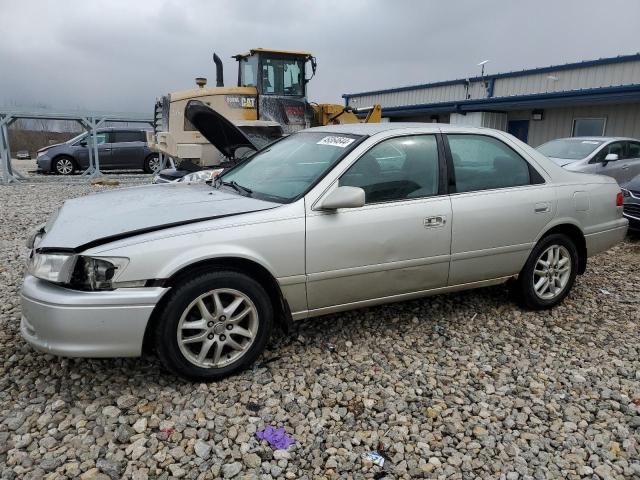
632	209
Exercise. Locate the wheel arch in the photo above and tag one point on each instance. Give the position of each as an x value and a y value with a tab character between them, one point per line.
282	313
575	233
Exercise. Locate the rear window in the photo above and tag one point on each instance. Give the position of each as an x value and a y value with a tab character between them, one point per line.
129	136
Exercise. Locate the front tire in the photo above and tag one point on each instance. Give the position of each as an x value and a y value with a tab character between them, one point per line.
549	273
63	166
214	325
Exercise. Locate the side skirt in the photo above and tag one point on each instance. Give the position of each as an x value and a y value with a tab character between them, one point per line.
301	315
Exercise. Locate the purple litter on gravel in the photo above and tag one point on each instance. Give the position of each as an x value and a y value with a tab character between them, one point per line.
276	437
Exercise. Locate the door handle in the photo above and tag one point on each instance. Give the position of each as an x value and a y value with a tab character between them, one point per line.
106	149
435	221
625	166
542	207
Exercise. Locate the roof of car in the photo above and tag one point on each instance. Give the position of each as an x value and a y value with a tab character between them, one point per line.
373	128
598	139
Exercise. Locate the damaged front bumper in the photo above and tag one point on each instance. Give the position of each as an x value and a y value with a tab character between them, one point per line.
73	323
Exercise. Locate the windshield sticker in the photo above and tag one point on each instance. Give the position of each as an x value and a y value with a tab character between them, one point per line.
590	142
341	142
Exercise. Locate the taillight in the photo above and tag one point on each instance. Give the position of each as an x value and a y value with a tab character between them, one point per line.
619	199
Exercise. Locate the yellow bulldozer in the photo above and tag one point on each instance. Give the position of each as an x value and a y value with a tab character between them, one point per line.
271	93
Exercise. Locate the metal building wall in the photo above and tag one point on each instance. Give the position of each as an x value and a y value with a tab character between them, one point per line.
567	80
622	120
560	80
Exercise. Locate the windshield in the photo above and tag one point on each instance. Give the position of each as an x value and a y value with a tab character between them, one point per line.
569	148
76	138
289	167
282	77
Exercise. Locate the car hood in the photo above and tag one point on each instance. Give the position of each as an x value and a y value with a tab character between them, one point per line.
49	147
86	222
222	134
563	161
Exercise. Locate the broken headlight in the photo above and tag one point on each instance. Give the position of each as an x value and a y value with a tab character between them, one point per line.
53	267
97	273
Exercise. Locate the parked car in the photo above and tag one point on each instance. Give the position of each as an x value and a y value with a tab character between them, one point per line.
118	149
631	209
325	220
616	157
23	155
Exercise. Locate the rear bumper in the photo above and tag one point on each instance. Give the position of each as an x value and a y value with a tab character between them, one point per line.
71	323
603	240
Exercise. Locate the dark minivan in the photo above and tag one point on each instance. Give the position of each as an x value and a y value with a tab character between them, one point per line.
118	149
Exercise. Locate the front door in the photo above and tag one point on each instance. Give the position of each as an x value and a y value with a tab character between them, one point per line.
397	243
500	206
104	150
612	168
519	129
631	161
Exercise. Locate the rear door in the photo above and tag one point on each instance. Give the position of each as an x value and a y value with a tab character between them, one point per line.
500	204
397	243
128	149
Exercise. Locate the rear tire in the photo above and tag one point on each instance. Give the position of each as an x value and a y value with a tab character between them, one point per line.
549	273
152	164
63	166
213	326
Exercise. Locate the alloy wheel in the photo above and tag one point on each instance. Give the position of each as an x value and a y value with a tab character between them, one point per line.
217	328
64	166
552	272
154	164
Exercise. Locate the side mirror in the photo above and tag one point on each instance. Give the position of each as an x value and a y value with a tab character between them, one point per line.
611	157
83	143
343	197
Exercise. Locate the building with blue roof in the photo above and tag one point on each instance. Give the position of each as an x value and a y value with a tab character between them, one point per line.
589	98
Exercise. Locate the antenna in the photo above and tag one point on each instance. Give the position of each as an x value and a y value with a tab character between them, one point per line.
482	64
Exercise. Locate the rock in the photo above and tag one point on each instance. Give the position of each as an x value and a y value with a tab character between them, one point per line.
202	449
124	433
177	471
125	402
230	470
252	460
109	467
111	411
140	425
58	405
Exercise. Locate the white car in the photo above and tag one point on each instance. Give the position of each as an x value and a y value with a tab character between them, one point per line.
325	220
617	157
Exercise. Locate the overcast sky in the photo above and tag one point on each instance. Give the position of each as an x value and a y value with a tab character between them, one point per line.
119	55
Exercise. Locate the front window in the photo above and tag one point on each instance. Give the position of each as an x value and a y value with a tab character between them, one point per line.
401	168
282	76
569	148
288	168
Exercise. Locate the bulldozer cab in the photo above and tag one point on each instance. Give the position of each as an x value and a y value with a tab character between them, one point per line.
275	72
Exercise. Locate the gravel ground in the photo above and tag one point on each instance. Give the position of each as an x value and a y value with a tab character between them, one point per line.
455	386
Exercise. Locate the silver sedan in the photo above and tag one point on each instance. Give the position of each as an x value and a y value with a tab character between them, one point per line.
326	220
617	157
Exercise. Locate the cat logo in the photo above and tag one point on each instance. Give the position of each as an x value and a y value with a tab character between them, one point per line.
240	101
